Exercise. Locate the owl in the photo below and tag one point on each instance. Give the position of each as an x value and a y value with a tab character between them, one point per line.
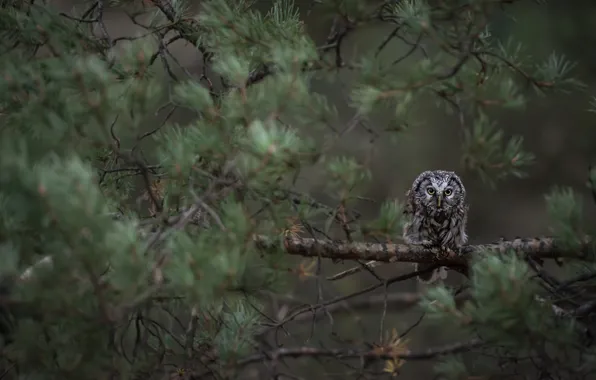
437	210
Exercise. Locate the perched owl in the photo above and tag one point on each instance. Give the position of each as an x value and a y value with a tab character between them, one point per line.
438	212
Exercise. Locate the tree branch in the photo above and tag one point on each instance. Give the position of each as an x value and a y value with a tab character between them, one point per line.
394	302
379	353
542	248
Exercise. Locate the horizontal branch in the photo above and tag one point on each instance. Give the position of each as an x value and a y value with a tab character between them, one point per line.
540	248
379	353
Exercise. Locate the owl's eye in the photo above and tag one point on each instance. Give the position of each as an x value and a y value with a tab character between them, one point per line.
448	192
430	190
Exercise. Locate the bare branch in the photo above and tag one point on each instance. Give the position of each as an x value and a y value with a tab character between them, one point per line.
379	353
395	302
542	248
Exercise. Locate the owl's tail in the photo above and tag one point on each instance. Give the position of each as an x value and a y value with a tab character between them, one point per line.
430	277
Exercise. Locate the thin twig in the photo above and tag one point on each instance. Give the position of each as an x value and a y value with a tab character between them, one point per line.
355	353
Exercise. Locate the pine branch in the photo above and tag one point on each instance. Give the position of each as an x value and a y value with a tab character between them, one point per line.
540	248
379	353
188	27
537	248
386	352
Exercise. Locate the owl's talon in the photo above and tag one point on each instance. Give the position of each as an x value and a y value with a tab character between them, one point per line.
436	251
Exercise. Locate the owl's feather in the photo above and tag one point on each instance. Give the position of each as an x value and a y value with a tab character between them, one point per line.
437	210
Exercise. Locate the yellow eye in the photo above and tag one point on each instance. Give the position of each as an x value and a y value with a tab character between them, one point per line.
448	192
430	190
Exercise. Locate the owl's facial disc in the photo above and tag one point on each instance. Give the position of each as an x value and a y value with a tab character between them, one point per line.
441	192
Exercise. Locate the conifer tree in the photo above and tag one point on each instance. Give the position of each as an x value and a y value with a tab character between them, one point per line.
129	252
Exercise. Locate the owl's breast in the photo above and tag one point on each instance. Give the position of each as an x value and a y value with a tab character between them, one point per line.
440	217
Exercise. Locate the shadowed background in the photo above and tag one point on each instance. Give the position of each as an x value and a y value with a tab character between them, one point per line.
557	129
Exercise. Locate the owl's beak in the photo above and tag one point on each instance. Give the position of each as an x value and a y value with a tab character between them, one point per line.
439	201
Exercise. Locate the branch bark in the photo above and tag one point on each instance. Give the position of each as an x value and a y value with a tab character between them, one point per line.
539	248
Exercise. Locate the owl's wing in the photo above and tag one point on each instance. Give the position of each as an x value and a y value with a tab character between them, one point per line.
463	211
409	207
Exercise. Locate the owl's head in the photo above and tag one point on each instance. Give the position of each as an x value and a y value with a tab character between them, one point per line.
439	190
